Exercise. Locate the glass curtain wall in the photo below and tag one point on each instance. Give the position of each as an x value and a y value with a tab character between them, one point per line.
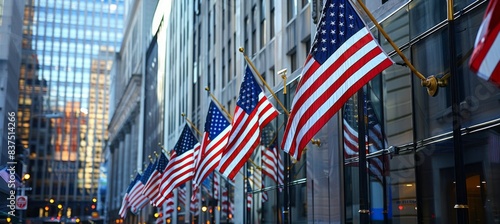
420	180
68	49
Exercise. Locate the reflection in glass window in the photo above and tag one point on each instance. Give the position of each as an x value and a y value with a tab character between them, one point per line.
425	14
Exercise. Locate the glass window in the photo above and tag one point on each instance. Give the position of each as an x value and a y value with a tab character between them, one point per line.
293	60
430	57
397	100
397	27
1	11
425	14
291	9
271	23
437	190
479	98
378	173
304	3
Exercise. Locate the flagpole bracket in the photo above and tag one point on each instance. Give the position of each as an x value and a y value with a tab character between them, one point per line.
316	142
432	83
364	211
461	206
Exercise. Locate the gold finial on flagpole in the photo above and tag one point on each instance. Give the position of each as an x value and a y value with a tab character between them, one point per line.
218	103
164	150
316	142
192	125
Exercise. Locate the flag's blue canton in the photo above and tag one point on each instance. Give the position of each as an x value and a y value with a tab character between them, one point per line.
162	163
147	173
186	141
373	121
217	122
137	178
338	23
249	92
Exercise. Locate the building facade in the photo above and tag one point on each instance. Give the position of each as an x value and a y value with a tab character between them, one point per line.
425	162
11	21
126	132
68	51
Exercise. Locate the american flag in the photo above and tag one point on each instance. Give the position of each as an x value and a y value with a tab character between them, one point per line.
5	174
343	58
180	169
378	166
165	211
258	182
215	138
168	206
135	191
216	186
227	205
194	206
486	55
253	112
125	203
249	190
152	188
273	164
211	185
160	219
181	194
139	199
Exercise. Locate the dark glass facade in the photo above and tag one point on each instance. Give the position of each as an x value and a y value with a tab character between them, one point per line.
411	175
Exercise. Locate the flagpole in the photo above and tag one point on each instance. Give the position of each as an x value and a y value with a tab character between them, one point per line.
432	83
364	210
286	188
460	183
218	103
192	125
242	50
164	150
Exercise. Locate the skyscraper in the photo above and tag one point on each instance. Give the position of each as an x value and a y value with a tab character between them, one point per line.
11	17
68	51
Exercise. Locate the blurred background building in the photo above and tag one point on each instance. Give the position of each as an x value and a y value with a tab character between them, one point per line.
68	51
103	82
415	183
11	20
124	155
